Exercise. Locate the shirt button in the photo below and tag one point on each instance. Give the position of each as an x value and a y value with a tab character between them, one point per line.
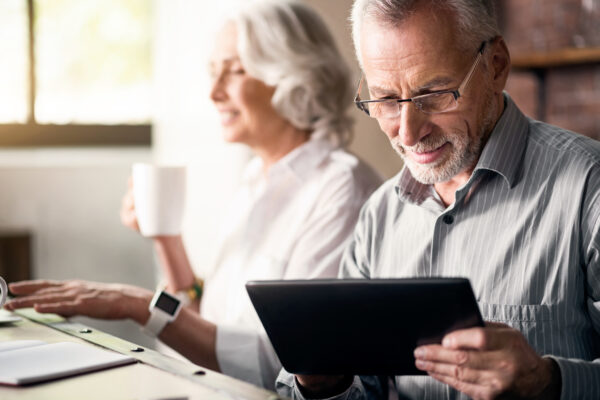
448	219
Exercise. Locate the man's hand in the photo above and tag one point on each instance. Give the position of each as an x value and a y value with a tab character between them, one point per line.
323	386
70	298
489	362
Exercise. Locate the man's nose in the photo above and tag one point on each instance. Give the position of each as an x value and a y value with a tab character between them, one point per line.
412	125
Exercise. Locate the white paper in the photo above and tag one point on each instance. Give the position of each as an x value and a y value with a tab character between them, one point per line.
42	362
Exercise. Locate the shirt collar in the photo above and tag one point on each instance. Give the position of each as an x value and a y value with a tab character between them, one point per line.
298	163
503	154
505	148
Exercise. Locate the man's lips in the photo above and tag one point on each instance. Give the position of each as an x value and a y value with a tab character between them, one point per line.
427	157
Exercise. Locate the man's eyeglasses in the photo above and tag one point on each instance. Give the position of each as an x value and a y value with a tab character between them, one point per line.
430	103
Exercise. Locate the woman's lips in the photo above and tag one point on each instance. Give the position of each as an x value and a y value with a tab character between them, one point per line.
428	157
227	117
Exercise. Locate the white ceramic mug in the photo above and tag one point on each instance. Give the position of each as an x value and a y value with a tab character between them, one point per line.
159	198
3	291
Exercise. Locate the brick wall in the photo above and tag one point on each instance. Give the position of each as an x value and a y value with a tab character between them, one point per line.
573	98
566	96
539	25
524	88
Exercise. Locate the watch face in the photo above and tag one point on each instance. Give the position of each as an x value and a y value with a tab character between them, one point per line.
167	303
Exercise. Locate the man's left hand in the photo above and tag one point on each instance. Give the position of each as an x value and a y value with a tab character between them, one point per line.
486	363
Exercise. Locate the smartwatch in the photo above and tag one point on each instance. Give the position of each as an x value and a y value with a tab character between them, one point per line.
163	308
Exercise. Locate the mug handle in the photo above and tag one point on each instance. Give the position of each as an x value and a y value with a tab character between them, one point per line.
3	291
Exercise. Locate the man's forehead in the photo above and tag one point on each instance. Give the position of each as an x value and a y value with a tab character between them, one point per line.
415	47
425	29
414	35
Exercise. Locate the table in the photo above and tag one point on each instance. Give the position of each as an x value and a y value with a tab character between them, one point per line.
154	377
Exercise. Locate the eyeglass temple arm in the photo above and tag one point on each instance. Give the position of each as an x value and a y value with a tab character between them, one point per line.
472	70
360	83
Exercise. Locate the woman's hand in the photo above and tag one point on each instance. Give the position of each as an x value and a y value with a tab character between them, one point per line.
75	297
128	216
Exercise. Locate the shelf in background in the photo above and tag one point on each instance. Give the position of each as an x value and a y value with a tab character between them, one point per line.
556	58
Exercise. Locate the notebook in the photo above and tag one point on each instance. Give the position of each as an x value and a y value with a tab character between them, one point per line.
360	326
7	317
23	362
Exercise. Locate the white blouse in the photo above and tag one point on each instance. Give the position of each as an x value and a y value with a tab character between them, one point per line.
292	223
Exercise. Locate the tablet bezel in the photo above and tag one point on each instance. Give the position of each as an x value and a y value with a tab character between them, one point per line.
360	326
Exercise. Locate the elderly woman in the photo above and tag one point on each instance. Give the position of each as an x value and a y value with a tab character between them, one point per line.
281	88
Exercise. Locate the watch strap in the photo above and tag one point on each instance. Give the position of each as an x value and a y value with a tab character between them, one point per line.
156	323
164	308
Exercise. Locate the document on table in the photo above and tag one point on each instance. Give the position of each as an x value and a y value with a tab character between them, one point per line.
24	362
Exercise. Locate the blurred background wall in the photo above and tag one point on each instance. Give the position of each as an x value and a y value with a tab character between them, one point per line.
555	49
67	199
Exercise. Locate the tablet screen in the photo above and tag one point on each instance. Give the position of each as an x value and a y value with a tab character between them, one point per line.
357	326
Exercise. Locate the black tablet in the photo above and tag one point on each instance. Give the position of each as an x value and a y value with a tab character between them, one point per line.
358	326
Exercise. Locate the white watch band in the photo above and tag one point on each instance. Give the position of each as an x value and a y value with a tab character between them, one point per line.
163	308
156	323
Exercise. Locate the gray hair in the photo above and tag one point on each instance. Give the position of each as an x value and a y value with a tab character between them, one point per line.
476	19
287	45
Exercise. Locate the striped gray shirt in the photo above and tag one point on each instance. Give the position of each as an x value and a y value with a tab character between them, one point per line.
524	229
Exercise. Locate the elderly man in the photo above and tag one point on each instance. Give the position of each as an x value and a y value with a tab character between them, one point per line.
511	203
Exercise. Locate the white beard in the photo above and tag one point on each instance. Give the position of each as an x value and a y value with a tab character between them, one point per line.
463	154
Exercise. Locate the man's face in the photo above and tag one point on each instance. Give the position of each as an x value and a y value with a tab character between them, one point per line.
419	56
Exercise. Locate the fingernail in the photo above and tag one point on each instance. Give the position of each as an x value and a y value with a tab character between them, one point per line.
447	342
420	364
419	352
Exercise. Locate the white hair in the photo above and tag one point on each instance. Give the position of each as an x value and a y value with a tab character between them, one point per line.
285	44
476	19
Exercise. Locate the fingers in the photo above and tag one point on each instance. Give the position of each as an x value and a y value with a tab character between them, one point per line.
458	372
52	290
128	202
462	357
484	362
28	287
467	366
63	308
31	301
127	212
76	297
129	219
473	390
489	338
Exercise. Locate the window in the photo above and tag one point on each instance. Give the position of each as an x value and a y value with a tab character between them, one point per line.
75	72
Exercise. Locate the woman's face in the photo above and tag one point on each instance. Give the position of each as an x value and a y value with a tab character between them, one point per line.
243	102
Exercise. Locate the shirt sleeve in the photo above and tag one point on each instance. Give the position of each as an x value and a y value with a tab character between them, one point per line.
327	231
581	378
358	255
354	264
247	355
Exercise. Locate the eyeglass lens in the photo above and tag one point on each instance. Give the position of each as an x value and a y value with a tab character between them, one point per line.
430	103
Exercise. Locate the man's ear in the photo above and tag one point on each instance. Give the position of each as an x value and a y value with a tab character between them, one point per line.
500	63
